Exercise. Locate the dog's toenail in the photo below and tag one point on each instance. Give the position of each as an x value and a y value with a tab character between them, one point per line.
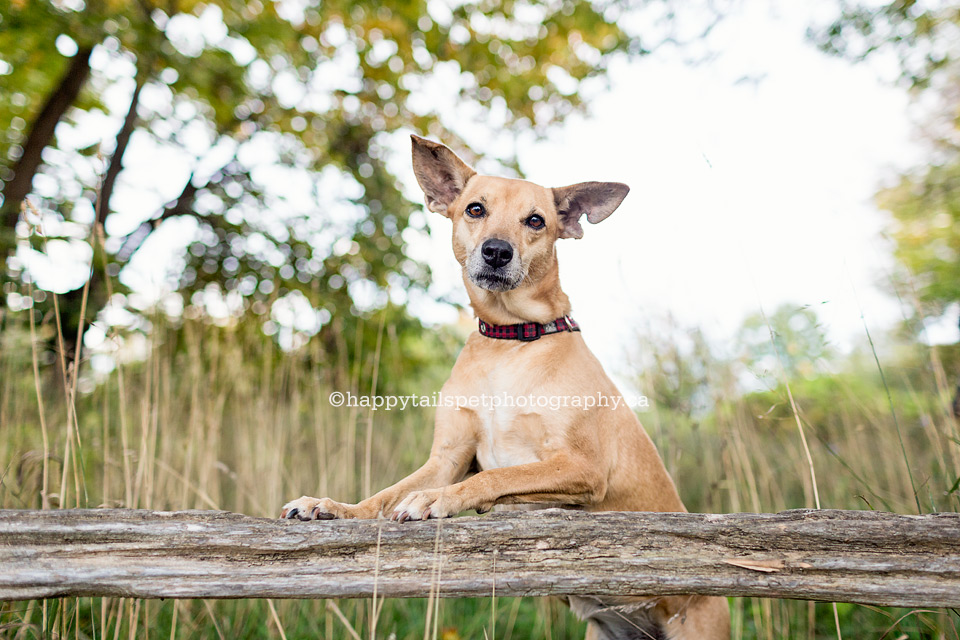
293	513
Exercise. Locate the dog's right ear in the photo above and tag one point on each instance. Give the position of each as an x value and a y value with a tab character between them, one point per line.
441	174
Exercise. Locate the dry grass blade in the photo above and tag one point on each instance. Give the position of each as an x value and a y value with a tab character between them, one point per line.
276	618
332	606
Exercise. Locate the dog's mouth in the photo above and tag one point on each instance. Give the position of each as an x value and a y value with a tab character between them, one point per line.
495	281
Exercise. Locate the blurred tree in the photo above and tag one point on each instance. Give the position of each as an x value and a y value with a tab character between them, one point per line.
269	127
798	343
679	370
926	202
926	208
923	35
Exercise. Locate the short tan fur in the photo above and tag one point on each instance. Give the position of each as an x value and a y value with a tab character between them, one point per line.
601	459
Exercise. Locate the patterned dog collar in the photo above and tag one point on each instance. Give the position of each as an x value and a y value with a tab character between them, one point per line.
527	331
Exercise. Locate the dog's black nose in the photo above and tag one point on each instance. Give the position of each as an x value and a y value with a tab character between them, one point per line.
496	253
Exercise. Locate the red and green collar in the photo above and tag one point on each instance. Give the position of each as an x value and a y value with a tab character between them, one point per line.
527	331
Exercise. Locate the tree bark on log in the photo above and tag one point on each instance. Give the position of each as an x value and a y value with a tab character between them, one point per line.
847	556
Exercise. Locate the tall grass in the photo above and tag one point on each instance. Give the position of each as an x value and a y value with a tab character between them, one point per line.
218	417
745	454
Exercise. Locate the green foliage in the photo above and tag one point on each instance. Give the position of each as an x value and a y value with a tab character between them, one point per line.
282	116
715	430
790	339
679	370
925	203
926	209
921	35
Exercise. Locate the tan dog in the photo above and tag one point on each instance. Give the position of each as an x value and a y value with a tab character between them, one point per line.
601	459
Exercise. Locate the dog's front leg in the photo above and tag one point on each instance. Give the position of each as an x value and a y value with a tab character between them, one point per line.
454	447
563	478
435	472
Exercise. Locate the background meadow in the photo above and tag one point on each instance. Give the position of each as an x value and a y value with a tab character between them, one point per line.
223	230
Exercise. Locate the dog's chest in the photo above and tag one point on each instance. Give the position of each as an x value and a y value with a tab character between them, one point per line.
511	432
499	445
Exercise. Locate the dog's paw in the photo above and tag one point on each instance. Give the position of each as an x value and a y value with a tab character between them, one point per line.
433	503
307	508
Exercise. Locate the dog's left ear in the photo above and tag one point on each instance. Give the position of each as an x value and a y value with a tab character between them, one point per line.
441	174
596	199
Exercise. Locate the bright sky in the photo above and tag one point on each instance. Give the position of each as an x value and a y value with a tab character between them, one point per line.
749	193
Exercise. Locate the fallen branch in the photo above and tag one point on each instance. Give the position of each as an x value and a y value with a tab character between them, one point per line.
849	556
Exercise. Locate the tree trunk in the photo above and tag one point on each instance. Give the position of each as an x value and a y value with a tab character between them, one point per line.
41	134
71	301
116	160
843	556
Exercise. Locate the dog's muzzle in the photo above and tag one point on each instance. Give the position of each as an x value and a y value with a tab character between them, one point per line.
495	266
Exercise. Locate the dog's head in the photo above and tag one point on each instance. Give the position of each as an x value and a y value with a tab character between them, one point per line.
504	230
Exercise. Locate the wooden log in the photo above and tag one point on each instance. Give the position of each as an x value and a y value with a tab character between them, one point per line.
848	556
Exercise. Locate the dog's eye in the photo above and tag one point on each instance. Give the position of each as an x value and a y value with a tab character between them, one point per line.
475	210
536	222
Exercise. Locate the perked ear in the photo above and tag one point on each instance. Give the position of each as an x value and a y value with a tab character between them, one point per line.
441	174
596	199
